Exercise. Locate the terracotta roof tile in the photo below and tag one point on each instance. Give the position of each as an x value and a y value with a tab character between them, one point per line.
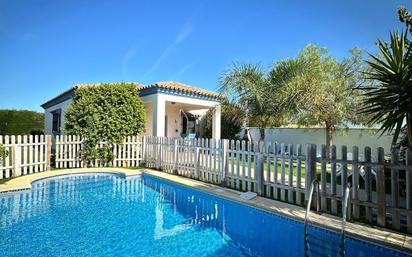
183	87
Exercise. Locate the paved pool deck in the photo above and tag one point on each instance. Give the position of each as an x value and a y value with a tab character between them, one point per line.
361	231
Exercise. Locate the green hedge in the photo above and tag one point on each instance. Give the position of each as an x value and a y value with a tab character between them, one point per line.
20	122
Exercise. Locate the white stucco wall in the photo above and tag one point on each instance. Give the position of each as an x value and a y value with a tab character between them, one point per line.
48	117
174	121
172	111
350	138
149	124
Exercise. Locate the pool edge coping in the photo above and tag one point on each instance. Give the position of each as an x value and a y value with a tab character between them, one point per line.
25	182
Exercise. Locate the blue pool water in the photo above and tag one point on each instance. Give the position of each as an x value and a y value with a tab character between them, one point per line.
110	215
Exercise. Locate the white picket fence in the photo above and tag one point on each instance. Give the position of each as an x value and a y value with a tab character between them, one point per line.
25	155
381	190
69	149
200	159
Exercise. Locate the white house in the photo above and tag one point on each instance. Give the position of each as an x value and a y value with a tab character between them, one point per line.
173	109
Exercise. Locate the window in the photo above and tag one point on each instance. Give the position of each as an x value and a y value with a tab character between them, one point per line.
56	121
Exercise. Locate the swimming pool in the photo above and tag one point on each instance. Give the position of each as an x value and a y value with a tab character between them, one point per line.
113	215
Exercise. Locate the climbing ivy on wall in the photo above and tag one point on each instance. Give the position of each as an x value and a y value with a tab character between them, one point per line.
3	154
105	113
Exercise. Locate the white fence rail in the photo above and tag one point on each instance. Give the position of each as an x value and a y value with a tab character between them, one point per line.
25	155
381	185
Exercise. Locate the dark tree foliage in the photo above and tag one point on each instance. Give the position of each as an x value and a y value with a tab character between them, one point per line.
231	122
20	122
403	142
405	17
105	113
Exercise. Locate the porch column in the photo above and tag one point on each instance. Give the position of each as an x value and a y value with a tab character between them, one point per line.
159	113
216	122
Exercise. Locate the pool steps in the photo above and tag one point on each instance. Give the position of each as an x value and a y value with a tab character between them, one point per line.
315	245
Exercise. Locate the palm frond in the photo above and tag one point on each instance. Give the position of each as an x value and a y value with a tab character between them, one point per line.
391	101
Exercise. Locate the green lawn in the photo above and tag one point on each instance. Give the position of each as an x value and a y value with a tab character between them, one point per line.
272	166
279	166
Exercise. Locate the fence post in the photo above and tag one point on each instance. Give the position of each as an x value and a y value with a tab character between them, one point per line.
368	182
48	152
323	181
310	168
225	162
395	189
355	182
143	150
344	174
175	156
197	163
16	158
380	188
350	203
158	153
259	177
408	158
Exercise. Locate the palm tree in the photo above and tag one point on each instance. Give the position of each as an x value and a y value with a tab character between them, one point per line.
242	85
264	97
390	102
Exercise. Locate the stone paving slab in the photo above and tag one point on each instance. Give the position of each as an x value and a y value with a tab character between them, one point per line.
24	182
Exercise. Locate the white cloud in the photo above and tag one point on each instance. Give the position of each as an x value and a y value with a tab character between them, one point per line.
183	70
184	33
131	52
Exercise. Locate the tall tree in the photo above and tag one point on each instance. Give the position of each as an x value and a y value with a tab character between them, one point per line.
330	99
242	85
263	96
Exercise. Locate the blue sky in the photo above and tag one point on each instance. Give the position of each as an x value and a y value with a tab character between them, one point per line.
48	46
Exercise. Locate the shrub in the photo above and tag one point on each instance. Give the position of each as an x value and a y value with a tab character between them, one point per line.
105	113
231	123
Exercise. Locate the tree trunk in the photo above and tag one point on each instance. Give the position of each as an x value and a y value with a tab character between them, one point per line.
329	138
262	134
246	135
246	117
245	125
